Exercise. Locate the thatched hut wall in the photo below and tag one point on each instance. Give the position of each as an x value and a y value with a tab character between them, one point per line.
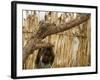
71	48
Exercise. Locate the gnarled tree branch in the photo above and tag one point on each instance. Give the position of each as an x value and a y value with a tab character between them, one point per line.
47	29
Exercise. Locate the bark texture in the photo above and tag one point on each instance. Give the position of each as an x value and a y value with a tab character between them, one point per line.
47	29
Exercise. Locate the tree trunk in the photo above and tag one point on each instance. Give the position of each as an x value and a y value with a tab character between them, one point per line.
47	29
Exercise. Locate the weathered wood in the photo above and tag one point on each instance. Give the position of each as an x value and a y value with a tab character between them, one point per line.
47	29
